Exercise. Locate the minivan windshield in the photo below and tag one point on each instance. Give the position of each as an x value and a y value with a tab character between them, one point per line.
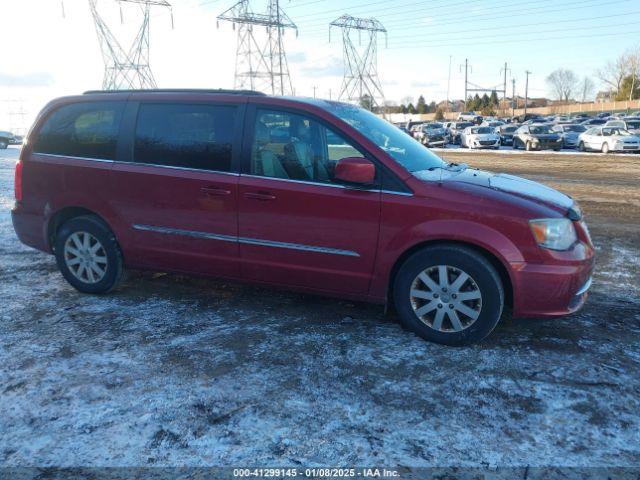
402	148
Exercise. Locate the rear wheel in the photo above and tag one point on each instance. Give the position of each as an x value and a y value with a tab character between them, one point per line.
581	147
3	144
605	147
88	255
449	294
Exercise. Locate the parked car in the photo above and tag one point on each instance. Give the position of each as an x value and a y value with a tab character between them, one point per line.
17	140
414	130
608	139
470	117
456	129
529	117
409	126
569	134
492	123
537	137
594	121
431	135
506	133
347	206
560	119
632	126
603	114
480	137
6	139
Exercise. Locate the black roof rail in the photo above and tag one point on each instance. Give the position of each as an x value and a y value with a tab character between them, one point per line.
179	90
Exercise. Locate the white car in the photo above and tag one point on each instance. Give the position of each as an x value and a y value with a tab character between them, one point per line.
608	139
480	137
632	126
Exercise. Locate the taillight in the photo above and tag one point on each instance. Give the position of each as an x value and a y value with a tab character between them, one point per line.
17	185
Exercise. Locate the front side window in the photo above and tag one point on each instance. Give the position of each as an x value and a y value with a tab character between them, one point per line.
291	146
86	130
409	153
197	136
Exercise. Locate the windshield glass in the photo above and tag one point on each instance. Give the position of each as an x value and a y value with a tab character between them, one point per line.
404	149
607	132
509	129
433	126
540	129
575	128
482	130
634	125
463	125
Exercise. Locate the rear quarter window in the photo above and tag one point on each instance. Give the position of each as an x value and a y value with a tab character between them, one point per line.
86	130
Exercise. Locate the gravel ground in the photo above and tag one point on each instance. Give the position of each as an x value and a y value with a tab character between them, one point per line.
170	370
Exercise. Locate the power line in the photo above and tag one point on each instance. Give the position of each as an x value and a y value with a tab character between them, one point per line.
504	13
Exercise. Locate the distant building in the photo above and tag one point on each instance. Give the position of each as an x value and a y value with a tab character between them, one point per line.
604	96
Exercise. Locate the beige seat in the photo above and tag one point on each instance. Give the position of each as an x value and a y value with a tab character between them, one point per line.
266	163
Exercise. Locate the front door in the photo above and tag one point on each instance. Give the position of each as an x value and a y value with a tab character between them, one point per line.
177	194
296	225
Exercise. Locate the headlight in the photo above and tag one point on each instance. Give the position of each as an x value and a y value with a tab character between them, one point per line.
554	233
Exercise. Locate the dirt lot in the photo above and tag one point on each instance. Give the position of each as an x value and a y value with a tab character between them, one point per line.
170	370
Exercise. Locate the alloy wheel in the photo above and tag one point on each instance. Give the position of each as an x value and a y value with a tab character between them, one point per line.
85	257
446	298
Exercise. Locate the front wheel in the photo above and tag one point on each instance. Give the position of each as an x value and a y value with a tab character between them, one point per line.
449	295
88	255
581	147
528	147
605	147
3	144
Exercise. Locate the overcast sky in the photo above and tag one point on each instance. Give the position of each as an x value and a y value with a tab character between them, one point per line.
48	55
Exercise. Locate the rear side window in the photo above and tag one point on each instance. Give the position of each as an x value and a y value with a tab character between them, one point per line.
88	130
188	136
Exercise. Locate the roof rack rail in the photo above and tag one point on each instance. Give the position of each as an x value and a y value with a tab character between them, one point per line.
179	90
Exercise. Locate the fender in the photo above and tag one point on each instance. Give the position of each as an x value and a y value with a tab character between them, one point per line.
456	230
80	199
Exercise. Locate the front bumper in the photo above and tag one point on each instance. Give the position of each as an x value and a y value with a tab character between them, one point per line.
558	286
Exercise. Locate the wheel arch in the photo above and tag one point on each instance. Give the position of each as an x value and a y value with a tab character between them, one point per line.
64	215
496	262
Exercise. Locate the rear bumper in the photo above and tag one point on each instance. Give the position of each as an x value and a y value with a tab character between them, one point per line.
30	229
553	290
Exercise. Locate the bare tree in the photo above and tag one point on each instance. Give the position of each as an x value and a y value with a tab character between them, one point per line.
563	83
587	87
613	73
632	60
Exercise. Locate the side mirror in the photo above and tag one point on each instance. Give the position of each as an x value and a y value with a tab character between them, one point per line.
355	171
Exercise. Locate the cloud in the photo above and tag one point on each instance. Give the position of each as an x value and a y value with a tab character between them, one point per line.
296	57
32	79
331	68
424	84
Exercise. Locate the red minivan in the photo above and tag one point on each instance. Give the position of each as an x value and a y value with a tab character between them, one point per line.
306	194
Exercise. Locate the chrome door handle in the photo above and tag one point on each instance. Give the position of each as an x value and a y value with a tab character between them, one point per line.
215	191
260	196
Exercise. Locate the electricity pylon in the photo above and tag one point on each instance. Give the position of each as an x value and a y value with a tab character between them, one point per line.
126	69
260	65
360	64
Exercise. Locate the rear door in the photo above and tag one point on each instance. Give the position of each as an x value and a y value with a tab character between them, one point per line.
176	190
296	225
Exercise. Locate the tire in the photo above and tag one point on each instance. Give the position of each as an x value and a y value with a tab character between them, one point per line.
514	145
527	147
581	147
3	144
483	278
70	238
605	148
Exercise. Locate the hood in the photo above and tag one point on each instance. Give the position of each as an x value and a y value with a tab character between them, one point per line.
503	182
484	136
545	136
